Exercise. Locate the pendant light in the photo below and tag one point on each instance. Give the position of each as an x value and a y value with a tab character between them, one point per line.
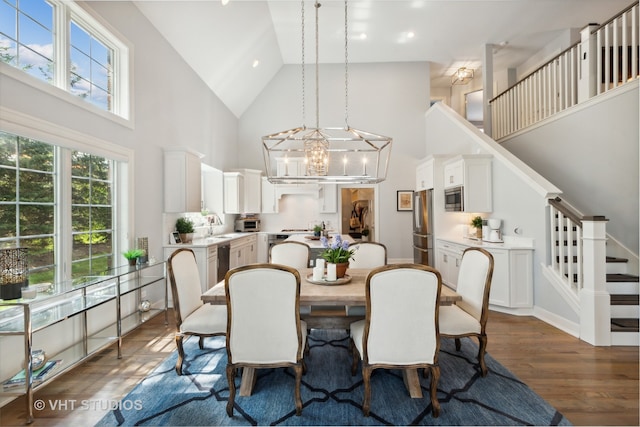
326	155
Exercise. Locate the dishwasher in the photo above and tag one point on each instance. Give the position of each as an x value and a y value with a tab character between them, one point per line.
223	260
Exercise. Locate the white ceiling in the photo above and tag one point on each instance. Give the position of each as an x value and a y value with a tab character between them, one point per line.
221	43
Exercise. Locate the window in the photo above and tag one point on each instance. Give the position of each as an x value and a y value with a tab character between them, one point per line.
91	214
81	57
32	211
27	202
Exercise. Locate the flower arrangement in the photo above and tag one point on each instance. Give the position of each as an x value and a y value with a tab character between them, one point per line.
337	252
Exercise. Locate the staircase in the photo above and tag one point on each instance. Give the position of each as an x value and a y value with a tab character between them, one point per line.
625	304
579	274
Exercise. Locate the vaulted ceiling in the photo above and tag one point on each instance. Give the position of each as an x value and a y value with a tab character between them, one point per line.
236	49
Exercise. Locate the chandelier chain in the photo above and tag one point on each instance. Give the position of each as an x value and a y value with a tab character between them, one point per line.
346	68
317	5
304	119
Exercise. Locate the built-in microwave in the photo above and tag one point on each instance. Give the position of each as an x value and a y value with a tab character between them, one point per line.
454	199
247	224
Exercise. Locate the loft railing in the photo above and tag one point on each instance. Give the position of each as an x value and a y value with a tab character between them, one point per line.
610	53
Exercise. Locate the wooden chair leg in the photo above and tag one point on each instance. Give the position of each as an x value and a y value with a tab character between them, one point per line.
180	354
201	343
457	344
231	373
482	347
366	376
355	357
435	404
298	369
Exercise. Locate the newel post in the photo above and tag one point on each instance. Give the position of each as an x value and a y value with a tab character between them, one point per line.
587	80
595	302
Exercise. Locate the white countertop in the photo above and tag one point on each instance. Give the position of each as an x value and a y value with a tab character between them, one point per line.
509	242
315	244
209	241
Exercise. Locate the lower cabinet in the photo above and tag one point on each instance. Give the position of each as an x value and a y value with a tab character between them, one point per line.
448	261
243	251
207	260
512	281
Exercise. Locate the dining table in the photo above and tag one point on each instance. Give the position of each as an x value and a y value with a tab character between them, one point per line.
348	291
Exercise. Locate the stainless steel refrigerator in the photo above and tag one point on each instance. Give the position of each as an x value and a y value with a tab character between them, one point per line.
423	227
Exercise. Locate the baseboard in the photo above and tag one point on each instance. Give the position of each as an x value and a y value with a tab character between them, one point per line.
558	322
513	311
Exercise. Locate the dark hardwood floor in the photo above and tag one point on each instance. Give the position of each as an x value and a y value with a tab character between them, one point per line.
589	385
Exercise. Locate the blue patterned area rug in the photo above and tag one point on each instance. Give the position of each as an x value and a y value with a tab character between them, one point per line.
330	394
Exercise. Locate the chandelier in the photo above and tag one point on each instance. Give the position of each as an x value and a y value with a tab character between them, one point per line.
462	76
326	155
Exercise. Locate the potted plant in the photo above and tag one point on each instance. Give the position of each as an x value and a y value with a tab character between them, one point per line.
317	230
184	226
476	222
337	253
132	255
365	234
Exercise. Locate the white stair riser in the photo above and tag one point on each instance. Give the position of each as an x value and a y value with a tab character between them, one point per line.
625	312
626	288
625	338
617	268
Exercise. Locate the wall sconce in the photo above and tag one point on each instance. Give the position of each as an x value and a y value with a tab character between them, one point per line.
462	76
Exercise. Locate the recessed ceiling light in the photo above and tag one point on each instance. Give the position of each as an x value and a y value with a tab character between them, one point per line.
411	35
255	62
363	36
225	2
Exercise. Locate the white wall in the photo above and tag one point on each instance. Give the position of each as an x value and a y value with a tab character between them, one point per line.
389	99
591	153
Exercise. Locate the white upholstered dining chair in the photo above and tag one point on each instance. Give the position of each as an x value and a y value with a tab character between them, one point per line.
368	255
400	330
468	317
193	317
264	329
292	254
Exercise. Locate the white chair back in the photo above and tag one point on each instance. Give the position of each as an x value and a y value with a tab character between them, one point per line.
473	280
402	314
185	283
264	323
369	255
291	254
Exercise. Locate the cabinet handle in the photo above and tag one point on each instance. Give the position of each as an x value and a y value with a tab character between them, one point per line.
444	258
457	262
450	179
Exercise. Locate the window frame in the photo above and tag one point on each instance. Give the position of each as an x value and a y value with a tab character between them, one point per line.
84	16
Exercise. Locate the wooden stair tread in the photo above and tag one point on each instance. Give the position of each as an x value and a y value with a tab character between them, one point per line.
616	259
618	277
620	299
625	325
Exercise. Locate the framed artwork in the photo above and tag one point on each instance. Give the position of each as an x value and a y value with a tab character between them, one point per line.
405	200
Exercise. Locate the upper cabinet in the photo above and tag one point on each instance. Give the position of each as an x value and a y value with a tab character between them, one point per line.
424	175
182	180
212	189
294	166
473	172
328	198
242	191
269	197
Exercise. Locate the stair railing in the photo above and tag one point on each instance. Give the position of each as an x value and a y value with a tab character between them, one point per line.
578	259
611	59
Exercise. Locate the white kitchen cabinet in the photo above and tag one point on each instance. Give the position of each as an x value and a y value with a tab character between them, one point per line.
207	261
512	283
182	181
212	190
242	191
424	175
512	280
269	197
448	259
473	172
328	198
243	251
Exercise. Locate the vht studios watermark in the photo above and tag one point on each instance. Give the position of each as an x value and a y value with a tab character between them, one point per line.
86	405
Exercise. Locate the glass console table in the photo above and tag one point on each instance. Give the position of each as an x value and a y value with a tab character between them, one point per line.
62	301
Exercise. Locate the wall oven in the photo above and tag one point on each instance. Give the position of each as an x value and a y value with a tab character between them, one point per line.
454	199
